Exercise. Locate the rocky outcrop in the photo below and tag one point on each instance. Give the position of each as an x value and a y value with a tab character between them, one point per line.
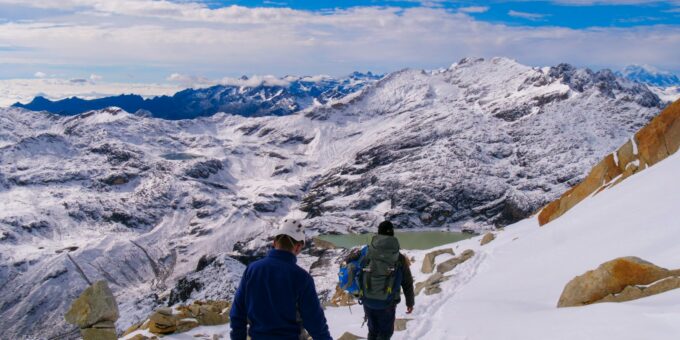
448	265
621	279
184	318
431	285
428	261
650	145
95	312
488	237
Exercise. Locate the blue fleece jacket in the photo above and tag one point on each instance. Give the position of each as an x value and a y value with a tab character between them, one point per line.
271	292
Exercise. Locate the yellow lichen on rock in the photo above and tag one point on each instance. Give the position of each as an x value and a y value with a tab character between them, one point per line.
619	277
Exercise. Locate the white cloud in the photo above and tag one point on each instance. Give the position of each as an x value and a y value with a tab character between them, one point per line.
95	77
473	9
192	39
23	90
254	81
525	15
40	74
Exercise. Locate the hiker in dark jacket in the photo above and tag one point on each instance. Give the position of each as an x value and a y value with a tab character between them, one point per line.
381	315
276	298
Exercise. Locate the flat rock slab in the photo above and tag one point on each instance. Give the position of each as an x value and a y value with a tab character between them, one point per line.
428	261
448	265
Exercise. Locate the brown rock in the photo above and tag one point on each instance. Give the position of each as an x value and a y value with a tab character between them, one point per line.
609	278
162	324
98	334
431	284
428	260
322	244
209	317
349	336
104	324
164	311
342	298
94	305
139	337
488	237
400	324
654	142
184	325
448	265
133	328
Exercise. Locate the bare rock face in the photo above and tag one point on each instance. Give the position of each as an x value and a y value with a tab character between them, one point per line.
95	312
448	265
428	261
488	237
650	145
617	280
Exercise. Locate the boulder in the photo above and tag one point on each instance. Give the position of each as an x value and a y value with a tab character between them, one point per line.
160	323
349	336
98	334
431	285
488	237
140	337
610	278
95	304
212	318
184	325
428	260
637	292
448	265
400	324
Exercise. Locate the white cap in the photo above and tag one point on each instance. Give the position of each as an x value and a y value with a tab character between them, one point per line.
292	228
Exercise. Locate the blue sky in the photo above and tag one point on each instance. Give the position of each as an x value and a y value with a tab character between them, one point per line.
572	14
203	41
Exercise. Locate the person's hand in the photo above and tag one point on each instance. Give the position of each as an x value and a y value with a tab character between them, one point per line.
409	310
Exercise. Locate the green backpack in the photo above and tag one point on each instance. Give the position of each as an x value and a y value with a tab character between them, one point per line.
380	268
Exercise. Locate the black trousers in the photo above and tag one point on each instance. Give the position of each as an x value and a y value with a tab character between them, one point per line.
380	322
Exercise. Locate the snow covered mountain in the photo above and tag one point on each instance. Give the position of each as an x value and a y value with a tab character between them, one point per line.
649	75
147	203
246	98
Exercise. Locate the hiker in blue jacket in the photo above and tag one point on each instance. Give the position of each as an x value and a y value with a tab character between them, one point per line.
385	272
277	299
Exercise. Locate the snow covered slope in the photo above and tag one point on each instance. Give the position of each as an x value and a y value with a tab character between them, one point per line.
148	203
510	288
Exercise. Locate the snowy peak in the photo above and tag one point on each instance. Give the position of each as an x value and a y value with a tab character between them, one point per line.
649	75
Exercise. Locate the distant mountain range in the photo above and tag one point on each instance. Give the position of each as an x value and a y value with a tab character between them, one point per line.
649	75
288	95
